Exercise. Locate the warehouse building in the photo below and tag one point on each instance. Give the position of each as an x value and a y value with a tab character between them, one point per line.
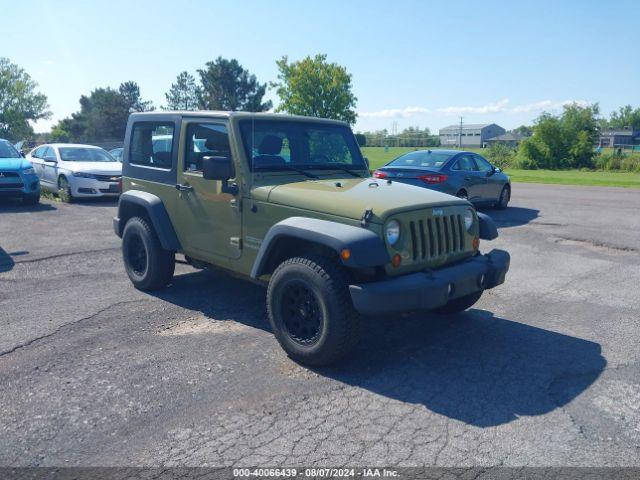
469	135
619	138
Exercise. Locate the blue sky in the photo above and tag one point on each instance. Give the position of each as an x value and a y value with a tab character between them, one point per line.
413	62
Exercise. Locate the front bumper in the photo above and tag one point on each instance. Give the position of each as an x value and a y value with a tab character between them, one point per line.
90	187
433	288
20	186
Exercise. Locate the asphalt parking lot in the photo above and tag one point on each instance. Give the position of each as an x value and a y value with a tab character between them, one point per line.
544	371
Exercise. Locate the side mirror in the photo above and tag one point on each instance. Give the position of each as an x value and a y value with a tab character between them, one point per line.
217	168
23	155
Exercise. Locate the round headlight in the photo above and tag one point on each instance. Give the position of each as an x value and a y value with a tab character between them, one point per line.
392	232
468	219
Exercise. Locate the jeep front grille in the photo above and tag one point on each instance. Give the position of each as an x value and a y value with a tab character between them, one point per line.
436	237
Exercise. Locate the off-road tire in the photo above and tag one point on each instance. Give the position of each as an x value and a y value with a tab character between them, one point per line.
338	320
459	304
503	199
148	265
31	199
64	190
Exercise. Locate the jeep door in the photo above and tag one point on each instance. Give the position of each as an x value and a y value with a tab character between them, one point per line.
209	214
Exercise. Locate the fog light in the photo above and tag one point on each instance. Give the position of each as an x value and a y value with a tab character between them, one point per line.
396	260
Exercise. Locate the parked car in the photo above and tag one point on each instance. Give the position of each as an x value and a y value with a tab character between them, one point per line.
288	200
17	176
77	171
117	153
463	174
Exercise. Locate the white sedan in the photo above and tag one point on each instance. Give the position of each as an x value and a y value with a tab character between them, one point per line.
76	171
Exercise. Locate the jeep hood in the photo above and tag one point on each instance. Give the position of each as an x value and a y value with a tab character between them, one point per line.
351	197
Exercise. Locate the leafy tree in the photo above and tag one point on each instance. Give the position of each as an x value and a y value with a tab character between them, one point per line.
523	130
130	91
226	85
183	95
625	117
501	155
103	114
564	141
315	88
19	102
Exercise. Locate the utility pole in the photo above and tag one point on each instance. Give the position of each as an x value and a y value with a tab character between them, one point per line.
460	134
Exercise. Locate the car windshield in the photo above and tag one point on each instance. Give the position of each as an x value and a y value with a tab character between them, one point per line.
285	145
422	158
7	150
82	154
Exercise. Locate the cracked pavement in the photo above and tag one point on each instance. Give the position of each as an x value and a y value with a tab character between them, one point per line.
544	371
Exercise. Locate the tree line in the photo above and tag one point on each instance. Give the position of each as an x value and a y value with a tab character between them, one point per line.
312	86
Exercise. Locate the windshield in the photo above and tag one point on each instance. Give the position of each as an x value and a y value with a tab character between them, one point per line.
284	145
423	158
7	150
82	154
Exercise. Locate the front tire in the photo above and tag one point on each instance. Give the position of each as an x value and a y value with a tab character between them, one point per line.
505	196
148	265
31	199
310	310
459	304
64	190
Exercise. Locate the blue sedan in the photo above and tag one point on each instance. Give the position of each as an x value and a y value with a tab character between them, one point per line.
463	174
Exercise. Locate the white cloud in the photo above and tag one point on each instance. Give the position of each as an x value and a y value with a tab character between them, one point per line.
545	105
494	107
406	112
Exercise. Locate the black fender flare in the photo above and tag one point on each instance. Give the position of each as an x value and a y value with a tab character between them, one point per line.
488	230
366	247
156	212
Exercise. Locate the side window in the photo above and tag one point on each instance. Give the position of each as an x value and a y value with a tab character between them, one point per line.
38	152
152	144
465	162
49	154
205	140
483	165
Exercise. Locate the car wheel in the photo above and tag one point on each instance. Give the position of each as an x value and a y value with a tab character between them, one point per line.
505	196
31	199
64	190
463	194
459	304
148	265
310	310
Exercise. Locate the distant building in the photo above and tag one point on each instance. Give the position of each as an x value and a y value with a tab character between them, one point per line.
620	137
510	139
469	135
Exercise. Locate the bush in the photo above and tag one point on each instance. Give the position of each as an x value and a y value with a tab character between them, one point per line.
501	155
612	161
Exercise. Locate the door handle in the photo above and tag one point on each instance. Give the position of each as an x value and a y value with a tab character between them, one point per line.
184	188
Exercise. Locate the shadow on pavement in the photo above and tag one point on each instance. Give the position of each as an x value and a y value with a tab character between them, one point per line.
96	202
511	216
10	205
473	367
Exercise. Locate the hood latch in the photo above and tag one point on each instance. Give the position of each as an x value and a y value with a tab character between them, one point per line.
366	217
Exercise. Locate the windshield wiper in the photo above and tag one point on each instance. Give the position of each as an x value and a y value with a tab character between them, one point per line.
349	171
299	170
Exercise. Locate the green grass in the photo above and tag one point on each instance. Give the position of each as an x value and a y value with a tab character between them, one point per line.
577	177
378	157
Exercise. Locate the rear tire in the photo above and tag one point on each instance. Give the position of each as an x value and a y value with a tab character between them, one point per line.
310	310
459	304
31	199
148	265
463	194
505	196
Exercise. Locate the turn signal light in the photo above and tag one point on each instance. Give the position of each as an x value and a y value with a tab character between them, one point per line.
379	174
433	178
396	260
345	254
476	243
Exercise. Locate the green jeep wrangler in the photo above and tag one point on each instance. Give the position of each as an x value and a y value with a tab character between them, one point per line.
289	201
